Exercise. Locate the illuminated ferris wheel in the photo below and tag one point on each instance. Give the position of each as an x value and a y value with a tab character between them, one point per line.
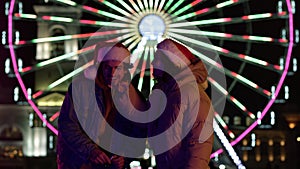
253	40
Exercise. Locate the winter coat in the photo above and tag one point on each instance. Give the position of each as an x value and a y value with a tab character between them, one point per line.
193	132
81	128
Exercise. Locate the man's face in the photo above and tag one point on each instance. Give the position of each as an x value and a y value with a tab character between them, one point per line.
113	72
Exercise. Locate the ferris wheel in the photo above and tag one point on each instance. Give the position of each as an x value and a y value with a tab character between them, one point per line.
252	43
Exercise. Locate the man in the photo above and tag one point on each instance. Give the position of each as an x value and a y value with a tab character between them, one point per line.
88	115
185	125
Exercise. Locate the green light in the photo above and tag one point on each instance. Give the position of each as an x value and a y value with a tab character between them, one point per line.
220	120
258	38
258	16
111	15
175	6
168	4
246	81
221	5
51	39
67	2
185	17
68	76
111	24
218	86
61	19
56	59
206	45
182	10
256	60
29	16
194	23
238	104
116	8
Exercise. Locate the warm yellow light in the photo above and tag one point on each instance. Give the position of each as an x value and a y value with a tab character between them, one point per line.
258	142
282	158
245	142
282	142
245	156
258	157
298	139
271	142
271	157
292	125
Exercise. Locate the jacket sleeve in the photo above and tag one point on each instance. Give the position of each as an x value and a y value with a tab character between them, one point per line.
71	131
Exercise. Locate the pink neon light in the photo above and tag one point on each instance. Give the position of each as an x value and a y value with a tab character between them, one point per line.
17	15
268	106
202	11
267	92
21	42
277	67
245	17
246	37
26	69
282	13
227	35
282	40
195	2
90	8
87	22
234	74
242	56
46	17
37	94
54	116
15	67
225	51
227	19
143	69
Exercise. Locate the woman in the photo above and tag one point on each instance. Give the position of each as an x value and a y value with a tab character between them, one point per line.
88	112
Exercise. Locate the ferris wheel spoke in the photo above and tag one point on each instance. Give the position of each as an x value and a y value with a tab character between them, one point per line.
175	6
143	68
48	18
126	6
155	5
206	11
231	99
56	60
231	37
61	80
93	11
168	4
161	4
73	36
248	83
228	53
112	6
185	8
224	125
223	21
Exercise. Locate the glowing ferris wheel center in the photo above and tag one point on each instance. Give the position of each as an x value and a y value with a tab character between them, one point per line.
152	27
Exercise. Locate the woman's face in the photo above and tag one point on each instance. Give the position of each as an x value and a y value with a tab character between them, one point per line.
113	72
